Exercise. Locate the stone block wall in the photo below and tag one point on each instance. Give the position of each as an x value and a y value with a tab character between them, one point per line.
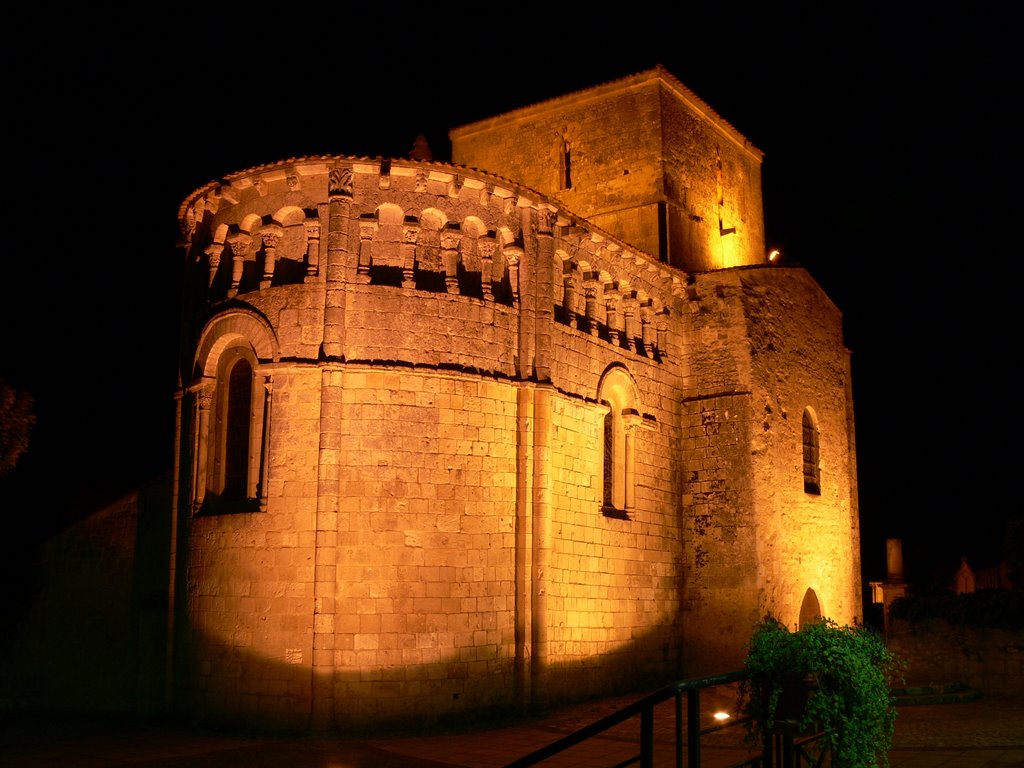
938	653
615	152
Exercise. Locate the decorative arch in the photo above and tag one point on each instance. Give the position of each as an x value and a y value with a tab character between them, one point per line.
223	329
618	393
232	420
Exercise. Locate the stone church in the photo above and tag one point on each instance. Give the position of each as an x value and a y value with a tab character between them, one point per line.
541	424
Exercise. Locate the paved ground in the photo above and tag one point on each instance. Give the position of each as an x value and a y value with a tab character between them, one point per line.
986	733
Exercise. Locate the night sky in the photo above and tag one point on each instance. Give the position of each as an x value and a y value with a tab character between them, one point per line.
891	173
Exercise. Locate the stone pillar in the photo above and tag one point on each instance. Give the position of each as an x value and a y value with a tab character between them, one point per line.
629	306
663	335
486	248
312	248
544	287
524	603
569	295
646	330
894	560
204	403
631	421
612	297
264	452
590	283
340	205
271	239
541	550
367	229
410	233
240	244
213	253
325	567
450	259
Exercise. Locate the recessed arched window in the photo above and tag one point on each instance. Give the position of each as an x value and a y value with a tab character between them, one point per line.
811	447
230	423
620	422
810	610
232	427
237	417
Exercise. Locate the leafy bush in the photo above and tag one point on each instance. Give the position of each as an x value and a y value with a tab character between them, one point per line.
850	675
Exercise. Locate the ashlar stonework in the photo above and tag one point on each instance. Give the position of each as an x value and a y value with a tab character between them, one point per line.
456	442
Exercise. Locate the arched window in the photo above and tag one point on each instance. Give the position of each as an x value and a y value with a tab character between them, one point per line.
618	394
812	468
232	429
231	420
237	407
810	609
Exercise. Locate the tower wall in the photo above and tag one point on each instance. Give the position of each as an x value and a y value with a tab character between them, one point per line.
644	158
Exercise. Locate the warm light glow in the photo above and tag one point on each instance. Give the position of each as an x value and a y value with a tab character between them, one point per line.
720	716
773	255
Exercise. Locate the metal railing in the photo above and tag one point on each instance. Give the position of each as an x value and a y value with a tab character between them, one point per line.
782	750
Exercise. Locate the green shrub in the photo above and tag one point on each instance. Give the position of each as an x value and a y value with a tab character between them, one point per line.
850	675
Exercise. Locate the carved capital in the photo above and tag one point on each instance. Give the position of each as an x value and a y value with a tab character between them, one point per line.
271	235
240	244
339	182
367	229
213	252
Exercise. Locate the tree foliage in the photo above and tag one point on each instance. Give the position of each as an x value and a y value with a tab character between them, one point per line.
16	421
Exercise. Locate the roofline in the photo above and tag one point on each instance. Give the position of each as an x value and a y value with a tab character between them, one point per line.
640	79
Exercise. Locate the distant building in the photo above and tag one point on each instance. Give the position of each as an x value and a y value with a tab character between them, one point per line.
538	425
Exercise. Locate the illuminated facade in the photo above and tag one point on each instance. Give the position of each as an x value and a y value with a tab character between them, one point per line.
453	443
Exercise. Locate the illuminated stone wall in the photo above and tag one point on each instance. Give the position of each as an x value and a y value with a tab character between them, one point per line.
446	449
613	153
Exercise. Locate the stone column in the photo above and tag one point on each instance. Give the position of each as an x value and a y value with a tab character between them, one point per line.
204	403
569	295
590	283
612	297
646	341
631	421
485	247
271	239
240	244
629	306
340	205
312	248
410	233
325	570
541	550
264	453
213	253
450	259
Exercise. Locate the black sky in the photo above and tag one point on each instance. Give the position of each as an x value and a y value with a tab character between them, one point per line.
890	172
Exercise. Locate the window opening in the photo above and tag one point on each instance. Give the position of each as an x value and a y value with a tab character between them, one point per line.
620	423
566	166
811	442
237	423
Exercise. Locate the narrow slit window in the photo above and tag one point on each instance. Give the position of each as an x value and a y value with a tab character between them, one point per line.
566	166
811	445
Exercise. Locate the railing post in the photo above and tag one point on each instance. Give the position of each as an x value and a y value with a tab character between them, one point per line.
679	728
693	726
647	737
